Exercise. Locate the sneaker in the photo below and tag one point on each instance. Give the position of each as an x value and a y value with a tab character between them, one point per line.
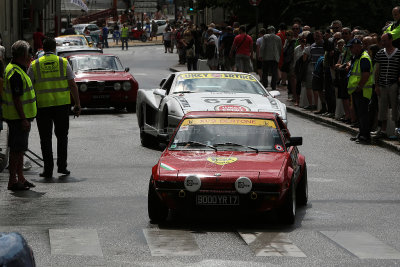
313	107
397	132
309	107
378	131
379	135
363	140
320	112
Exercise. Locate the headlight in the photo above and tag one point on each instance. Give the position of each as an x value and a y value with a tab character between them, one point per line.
83	87
117	86
126	86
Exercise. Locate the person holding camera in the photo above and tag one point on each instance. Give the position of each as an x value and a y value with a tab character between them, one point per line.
53	81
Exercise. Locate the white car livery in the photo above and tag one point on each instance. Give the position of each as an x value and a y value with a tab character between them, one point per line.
160	110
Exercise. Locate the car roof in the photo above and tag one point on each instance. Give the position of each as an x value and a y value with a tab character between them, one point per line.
71	35
92	54
224	114
213	71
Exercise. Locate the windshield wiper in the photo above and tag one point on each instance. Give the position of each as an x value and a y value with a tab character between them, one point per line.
99	69
183	92
197	144
234	144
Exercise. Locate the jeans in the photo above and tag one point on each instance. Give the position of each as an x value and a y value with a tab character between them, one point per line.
46	117
124	40
330	96
361	108
270	66
191	63
105	42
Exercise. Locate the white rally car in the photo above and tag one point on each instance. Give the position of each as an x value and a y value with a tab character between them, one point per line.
160	110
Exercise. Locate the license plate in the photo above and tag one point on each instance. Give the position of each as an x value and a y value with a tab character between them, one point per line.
217	200
101	97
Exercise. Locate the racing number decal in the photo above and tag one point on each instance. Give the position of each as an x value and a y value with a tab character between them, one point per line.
226	100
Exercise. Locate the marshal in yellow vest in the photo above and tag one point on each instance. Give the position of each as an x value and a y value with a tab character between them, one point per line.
28	99
355	77
51	84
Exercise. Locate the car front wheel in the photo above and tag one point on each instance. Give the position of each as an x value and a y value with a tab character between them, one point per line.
157	211
302	189
143	38
287	212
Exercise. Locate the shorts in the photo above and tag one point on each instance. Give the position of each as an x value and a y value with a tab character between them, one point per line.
17	138
317	84
388	95
243	63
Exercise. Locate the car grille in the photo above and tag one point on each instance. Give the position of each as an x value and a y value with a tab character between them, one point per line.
101	86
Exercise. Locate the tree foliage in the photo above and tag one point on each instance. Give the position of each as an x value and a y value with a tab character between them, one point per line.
370	15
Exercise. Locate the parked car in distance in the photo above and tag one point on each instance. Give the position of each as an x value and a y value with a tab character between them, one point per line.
104	82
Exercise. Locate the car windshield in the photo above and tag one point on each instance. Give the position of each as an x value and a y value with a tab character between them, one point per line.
70	41
79	28
218	82
96	62
228	134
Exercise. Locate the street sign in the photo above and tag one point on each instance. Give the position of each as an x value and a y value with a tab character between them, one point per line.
254	2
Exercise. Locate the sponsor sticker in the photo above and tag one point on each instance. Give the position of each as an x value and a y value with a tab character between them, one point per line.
167	167
222	160
232	76
229	121
279	147
237	108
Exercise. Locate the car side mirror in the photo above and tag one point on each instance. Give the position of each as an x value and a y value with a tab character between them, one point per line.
159	92
163	138
294	141
126	69
162	82
275	93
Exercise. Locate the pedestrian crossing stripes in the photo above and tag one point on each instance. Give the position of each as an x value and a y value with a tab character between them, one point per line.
362	245
271	244
181	243
79	242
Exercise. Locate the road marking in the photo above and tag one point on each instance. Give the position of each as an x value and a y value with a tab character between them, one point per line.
171	243
321	180
362	245
79	242
271	244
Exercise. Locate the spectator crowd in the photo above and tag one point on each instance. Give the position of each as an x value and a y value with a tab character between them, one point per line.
346	73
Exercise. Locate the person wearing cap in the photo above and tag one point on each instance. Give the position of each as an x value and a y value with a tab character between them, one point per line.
360	88
394	27
270	53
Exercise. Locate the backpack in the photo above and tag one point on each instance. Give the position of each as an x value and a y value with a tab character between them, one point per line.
210	50
319	67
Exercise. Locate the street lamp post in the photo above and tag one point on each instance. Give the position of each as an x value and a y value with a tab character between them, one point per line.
255	3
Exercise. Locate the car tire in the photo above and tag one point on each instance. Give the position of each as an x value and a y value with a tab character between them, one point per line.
131	107
157	211
146	139
302	189
287	212
143	38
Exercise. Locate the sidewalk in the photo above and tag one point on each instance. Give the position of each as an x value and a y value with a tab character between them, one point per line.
391	144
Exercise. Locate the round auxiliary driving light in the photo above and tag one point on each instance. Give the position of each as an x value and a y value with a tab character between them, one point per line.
83	87
126	86
117	86
243	185
192	183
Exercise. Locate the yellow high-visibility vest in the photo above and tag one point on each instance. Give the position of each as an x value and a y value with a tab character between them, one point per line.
355	77
28	99
124	32
51	84
394	32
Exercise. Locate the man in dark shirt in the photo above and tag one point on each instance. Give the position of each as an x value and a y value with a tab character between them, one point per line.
19	110
70	30
226	45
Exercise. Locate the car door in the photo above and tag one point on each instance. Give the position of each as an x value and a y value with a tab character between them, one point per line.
163	102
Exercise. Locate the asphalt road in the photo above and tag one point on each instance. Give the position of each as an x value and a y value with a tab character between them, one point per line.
98	215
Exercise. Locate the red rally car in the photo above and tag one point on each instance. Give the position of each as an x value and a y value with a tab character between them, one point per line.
229	160
103	82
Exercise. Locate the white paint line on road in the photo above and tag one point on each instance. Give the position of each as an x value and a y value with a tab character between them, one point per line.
140	74
77	242
362	245
321	180
271	244
171	243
